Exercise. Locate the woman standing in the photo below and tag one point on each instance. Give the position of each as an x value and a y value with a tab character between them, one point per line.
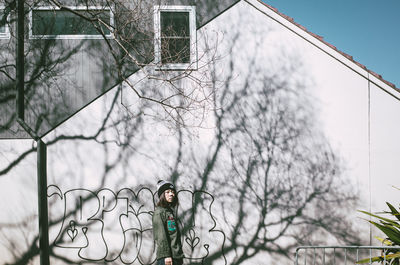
165	229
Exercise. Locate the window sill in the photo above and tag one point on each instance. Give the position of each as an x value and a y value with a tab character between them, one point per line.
4	36
70	37
176	67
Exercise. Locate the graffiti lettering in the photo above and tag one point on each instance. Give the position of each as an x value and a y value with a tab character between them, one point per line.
117	227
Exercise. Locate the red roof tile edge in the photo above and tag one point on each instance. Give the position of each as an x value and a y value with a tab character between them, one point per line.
291	20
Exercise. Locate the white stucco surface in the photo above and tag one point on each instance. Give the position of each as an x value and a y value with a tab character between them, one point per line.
253	58
385	148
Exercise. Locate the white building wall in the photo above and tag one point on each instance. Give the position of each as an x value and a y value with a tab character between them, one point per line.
385	148
339	95
18	198
253	47
358	117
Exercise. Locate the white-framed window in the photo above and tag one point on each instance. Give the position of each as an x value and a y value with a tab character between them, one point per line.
4	30
55	23
175	44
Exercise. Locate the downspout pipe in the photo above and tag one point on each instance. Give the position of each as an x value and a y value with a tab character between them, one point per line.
41	146
42	200
20	60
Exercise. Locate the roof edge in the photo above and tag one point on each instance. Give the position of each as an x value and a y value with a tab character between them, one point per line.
321	39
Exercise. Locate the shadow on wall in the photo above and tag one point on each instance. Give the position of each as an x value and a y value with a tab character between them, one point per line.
64	73
277	182
266	177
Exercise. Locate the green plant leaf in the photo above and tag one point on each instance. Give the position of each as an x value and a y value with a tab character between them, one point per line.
391	224
392	233
384	241
379	258
391	228
393	256
394	211
381	218
367	260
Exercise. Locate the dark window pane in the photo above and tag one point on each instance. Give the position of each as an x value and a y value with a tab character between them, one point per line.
3	20
175	37
56	22
175	50
175	24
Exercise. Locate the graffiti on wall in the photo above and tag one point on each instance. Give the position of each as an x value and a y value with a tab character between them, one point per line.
110	226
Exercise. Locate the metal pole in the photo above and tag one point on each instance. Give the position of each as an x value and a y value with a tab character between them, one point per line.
20	74
314	256
42	198
334	256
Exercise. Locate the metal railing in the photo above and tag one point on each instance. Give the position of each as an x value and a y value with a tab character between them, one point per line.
332	255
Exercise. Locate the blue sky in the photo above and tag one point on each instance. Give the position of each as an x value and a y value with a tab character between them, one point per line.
368	30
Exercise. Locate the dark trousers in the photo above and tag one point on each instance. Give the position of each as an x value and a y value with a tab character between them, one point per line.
174	262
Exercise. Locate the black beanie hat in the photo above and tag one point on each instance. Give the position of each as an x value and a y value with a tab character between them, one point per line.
163	185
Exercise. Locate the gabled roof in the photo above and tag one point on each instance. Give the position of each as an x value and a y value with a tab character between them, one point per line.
322	41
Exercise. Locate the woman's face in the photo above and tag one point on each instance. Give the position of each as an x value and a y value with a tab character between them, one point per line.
169	195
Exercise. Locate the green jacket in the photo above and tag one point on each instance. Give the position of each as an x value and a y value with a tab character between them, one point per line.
166	234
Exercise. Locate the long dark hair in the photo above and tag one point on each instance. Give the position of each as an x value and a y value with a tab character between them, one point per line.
165	204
